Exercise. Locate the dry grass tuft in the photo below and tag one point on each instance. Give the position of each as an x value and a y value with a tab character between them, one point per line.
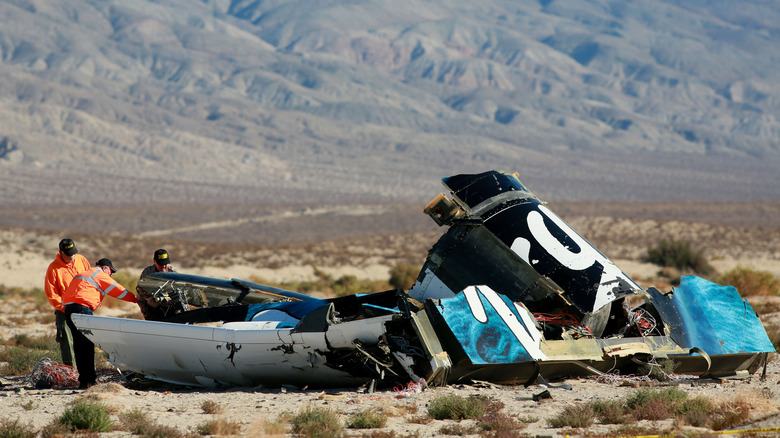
611	412
315	422
55	430
138	422
459	429
499	424
23	352
579	415
267	428
16	429
668	403
455	407
419	419
84	414
220	427
757	403
653	410
211	407
367	419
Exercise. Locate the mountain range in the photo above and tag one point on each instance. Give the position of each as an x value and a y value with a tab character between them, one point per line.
141	101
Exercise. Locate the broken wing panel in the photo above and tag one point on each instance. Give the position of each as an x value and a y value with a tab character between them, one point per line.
711	317
239	353
490	328
542	239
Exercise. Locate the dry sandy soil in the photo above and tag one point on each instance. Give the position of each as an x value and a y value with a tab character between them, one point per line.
252	407
744	235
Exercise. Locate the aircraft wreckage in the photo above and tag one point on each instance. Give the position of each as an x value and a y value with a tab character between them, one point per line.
509	294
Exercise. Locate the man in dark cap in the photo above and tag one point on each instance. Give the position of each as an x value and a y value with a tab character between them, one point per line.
83	295
161	263
67	263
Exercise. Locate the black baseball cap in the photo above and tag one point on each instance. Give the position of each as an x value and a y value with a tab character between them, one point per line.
68	247
161	257
106	262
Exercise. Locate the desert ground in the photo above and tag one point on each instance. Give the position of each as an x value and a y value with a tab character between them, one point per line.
297	242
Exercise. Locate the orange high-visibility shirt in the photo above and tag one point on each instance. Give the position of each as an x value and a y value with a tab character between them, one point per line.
59	275
89	287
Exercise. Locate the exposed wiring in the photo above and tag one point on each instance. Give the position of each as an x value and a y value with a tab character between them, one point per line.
566	320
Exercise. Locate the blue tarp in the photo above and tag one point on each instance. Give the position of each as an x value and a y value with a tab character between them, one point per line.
711	317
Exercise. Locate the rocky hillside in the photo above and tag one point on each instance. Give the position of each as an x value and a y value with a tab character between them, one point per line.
137	101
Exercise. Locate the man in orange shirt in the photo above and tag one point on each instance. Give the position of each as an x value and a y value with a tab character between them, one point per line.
67	263
85	294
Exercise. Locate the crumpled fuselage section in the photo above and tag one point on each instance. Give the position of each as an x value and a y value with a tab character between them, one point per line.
509	294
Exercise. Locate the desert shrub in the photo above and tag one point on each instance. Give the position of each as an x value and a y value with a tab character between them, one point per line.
643	396
55	429
610	412
87	415
367	419
695	411
679	254
455	407
211	407
579	415
497	423
138	422
161	431
403	276
750	282
16	429
220	427
729	414
654	410
346	285
652	404
458	429
134	421
419	419
317	423
277	427
18	361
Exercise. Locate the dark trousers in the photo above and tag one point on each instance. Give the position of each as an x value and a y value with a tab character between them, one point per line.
83	348
64	338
